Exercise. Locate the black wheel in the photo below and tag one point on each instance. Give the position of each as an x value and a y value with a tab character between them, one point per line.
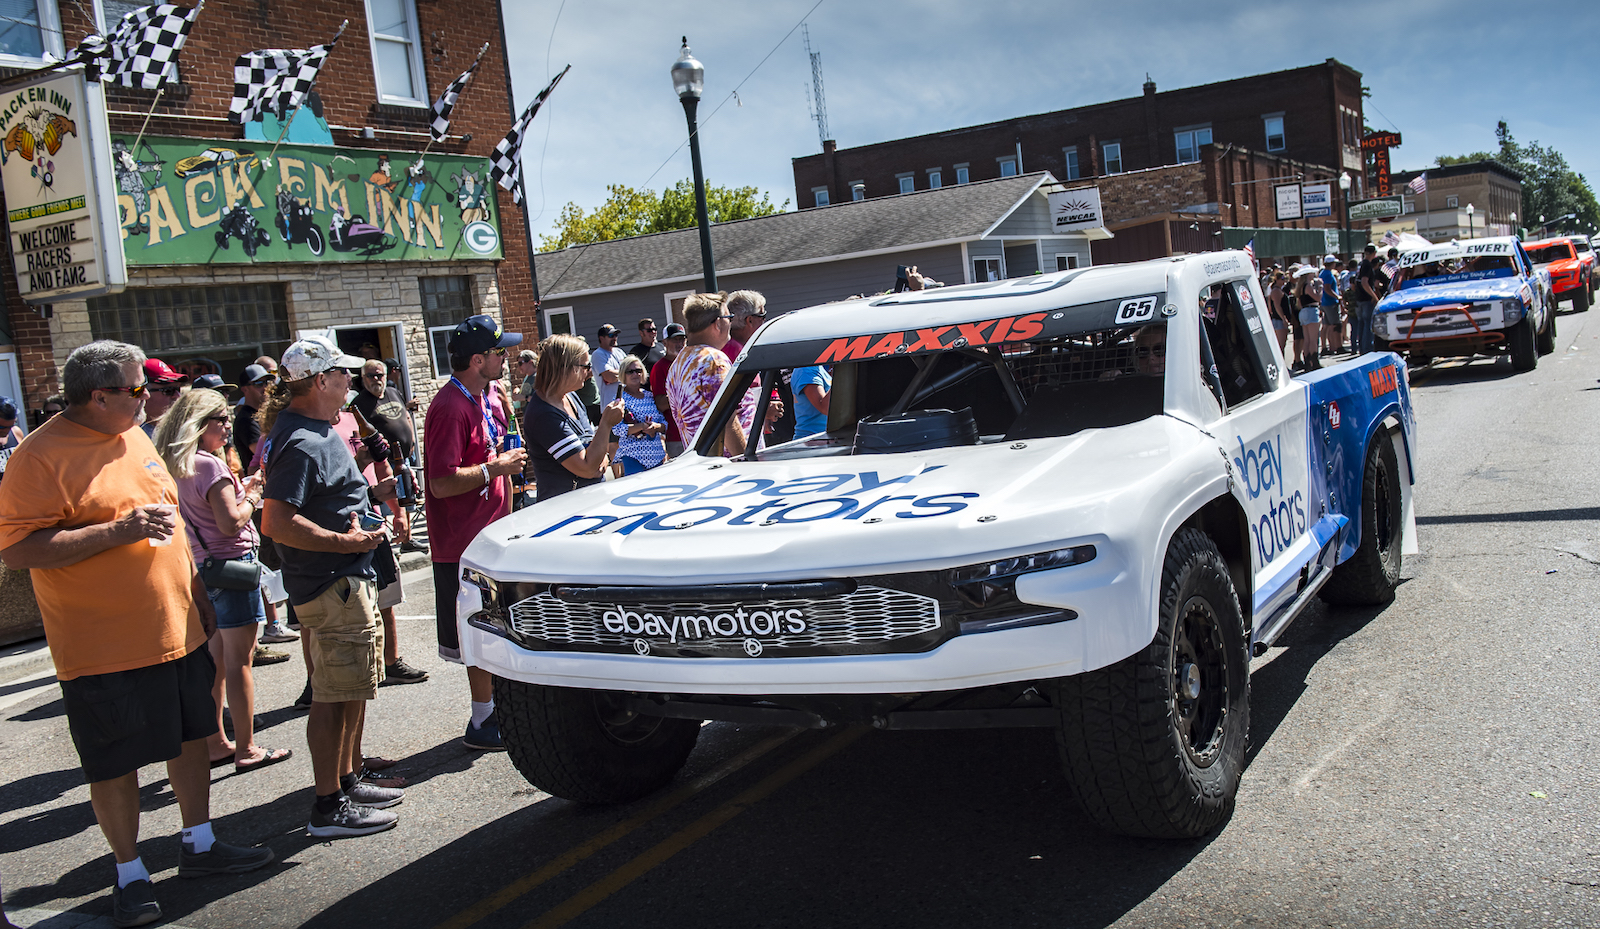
1154	745
222	240
1369	577
1524	353
314	240
263	237
1547	338
582	745
1379	343
1580	299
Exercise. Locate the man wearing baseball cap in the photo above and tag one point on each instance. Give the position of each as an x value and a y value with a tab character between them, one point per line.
466	469
1332	316
607	361
313	495
165	385
672	340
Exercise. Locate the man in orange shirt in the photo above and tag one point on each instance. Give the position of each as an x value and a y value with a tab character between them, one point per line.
88	506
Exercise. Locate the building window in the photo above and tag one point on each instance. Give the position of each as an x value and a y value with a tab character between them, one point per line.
1452	202
1066	262
1111	157
396	53
858	190
986	269
558	321
935	179
216	329
28	29
821	195
961	174
1008	166
446	301
1189	141
1274	127
908	182
1073	172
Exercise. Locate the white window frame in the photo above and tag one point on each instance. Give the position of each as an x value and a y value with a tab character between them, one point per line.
935	178
819	196
419	76
666	303
1003	161
1069	158
1193	134
551	312
858	191
999	263
907	181
1452	203
1266	131
1105	156
49	35
963	175
1072	260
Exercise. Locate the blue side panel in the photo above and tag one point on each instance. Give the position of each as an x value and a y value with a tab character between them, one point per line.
1364	391
1280	591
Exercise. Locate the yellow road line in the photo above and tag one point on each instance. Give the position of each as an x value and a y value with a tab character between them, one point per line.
577	853
597	892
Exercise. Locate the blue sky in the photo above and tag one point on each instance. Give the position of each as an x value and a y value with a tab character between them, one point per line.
1442	73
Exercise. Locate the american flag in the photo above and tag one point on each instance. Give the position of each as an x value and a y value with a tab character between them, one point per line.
143	50
275	80
1250	249
1419	183
505	165
447	102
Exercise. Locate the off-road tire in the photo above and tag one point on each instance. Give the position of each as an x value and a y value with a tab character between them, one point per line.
1580	299
559	739
1142	761
1369	577
1547	339
1524	353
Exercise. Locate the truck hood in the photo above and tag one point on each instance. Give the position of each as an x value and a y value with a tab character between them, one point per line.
701	520
1498	288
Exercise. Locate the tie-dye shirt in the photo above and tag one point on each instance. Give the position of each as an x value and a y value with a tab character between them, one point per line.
692	383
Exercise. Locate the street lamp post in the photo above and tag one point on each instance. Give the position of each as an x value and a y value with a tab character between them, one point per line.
1344	218
1471	234
688	79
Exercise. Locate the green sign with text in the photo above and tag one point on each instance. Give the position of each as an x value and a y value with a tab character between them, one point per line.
209	201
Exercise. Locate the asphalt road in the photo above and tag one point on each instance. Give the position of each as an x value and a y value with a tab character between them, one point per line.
1431	763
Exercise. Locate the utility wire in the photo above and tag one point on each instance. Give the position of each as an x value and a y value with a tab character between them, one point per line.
549	118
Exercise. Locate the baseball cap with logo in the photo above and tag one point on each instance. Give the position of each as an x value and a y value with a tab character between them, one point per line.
478	334
674	330
157	371
255	375
315	354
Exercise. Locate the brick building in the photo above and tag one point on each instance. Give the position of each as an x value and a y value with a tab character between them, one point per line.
378	249
1311	114
1439	213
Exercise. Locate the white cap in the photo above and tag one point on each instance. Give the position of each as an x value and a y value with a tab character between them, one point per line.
314	355
1329	259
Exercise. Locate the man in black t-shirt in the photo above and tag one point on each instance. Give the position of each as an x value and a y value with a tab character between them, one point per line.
246	433
381	405
648	350
1370	287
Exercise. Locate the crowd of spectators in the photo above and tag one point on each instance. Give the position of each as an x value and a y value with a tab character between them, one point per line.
1317	313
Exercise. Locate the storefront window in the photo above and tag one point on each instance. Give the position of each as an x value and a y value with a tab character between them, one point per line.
446	301
215	329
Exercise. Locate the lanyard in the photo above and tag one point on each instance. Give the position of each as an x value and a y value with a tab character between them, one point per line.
492	434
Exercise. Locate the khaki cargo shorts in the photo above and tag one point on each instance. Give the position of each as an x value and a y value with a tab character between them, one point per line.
347	644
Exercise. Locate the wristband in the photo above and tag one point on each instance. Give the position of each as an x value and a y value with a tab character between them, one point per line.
486	478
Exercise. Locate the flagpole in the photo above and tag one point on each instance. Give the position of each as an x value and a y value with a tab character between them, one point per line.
472	72
1427	203
144	125
284	132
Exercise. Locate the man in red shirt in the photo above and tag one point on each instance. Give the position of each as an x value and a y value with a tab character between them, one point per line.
673	341
467	467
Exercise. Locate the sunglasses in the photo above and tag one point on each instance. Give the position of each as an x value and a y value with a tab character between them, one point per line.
374	377
634	371
1159	351
650	329
168	391
217	419
135	392
585	366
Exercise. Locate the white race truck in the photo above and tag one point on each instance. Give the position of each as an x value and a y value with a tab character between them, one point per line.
1078	500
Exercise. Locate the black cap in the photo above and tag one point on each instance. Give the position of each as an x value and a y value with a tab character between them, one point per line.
213	382
255	374
609	331
480	333
674	330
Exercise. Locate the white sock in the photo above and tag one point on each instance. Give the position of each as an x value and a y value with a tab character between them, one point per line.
481	711
199	837
130	871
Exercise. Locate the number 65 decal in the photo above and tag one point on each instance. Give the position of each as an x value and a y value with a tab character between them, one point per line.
1137	310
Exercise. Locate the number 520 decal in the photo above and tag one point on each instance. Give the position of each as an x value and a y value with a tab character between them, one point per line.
1137	310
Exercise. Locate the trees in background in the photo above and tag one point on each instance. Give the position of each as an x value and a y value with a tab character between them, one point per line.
630	212
1550	188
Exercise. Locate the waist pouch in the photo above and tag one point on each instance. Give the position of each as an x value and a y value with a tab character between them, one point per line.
230	573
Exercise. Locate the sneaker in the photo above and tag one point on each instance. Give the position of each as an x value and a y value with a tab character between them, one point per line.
265	656
412	545
303	702
222	859
278	632
349	820
135	904
375	797
402	673
485	737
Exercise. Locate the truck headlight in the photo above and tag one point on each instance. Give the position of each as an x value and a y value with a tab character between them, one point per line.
1512	310
488	588
1022	564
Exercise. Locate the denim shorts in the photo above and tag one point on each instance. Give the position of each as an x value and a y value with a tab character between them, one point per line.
236	608
1309	315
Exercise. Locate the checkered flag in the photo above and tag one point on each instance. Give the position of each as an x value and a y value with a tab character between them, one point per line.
505	165
274	80
447	102
143	51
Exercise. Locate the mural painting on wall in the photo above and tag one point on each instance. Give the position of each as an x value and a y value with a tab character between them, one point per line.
208	201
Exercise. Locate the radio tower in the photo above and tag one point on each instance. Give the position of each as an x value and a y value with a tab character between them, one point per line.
818	102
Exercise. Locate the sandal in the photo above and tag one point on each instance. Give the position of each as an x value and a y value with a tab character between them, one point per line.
377	763
268	756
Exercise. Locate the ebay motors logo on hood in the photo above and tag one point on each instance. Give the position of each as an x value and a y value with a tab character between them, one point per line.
746	501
